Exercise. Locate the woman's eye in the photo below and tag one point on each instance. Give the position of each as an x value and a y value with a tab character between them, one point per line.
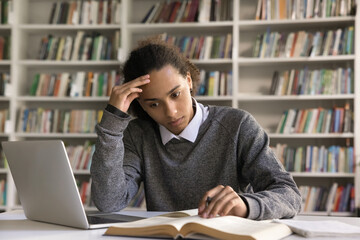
153	105
176	94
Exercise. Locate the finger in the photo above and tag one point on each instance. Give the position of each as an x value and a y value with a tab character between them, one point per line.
137	82
232	201
202	204
225	204
219	200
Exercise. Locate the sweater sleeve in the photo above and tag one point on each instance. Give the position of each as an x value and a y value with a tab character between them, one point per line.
274	193
114	183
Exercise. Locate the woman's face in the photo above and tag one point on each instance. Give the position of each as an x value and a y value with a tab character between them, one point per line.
167	99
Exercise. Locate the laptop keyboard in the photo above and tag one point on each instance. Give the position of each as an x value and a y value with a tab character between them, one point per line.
111	218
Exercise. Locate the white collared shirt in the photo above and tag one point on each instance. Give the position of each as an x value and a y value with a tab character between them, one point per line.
192	129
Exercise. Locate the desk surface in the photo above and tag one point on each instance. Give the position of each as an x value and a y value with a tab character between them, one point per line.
14	225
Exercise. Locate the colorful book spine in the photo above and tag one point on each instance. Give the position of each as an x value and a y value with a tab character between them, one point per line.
336	159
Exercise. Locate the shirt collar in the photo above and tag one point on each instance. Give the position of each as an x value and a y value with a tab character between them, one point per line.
191	131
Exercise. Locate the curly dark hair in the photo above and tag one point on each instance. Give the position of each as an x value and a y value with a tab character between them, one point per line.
154	54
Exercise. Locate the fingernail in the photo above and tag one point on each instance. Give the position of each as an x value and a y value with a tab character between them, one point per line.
201	208
211	215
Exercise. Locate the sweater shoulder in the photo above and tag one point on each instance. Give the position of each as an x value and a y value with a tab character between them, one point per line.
228	115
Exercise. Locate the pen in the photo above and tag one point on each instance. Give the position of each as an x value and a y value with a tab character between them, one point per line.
208	201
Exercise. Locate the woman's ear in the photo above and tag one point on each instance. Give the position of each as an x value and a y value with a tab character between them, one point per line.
189	80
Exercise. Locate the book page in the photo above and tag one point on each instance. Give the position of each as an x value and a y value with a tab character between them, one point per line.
184	213
321	228
227	227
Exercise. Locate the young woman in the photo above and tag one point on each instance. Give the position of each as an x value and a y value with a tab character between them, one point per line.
184	152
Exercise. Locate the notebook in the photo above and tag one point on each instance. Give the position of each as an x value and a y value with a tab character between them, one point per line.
47	188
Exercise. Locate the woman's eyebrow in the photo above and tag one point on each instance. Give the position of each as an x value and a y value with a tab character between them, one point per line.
169	92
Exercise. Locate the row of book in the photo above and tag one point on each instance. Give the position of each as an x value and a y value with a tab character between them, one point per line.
5	84
4	116
312	82
338	198
334	159
3	162
316	120
85	46
303	9
6	7
40	120
202	47
78	84
3	186
80	156
304	44
138	200
189	11
84	188
215	83
5	44
86	12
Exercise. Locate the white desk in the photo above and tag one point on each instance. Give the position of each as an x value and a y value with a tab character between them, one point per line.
14	225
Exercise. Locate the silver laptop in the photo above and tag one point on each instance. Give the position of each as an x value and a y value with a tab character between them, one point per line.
46	185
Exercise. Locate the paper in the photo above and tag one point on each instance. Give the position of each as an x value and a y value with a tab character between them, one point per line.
321	228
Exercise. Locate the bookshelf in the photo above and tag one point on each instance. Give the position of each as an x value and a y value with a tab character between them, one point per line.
251	76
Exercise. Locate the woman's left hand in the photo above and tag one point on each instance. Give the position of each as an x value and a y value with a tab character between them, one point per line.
224	201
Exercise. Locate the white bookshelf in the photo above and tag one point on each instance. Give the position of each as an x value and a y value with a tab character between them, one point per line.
250	86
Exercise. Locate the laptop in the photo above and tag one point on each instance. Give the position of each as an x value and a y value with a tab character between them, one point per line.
47	188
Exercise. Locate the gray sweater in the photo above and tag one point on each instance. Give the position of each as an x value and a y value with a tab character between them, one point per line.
231	149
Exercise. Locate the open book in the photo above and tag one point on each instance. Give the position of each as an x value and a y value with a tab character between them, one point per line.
188	224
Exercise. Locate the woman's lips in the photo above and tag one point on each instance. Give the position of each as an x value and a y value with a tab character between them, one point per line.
177	122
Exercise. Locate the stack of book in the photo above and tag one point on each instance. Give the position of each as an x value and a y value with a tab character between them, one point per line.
84	46
315	159
215	83
79	84
41	120
189	11
304	44
2	192
202	47
80	156
84	187
302	9
312	82
6	7
338	198
4	116
316	120
5	42
86	12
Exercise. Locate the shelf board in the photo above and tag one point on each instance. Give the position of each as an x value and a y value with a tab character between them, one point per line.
251	24
52	27
4	170
215	61
257	97
322	175
219	25
215	98
56	135
311	135
4	135
323	213
251	61
81	172
4	98
68	63
61	99
5	62
5	26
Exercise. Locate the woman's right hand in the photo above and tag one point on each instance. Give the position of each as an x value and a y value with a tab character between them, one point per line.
122	95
